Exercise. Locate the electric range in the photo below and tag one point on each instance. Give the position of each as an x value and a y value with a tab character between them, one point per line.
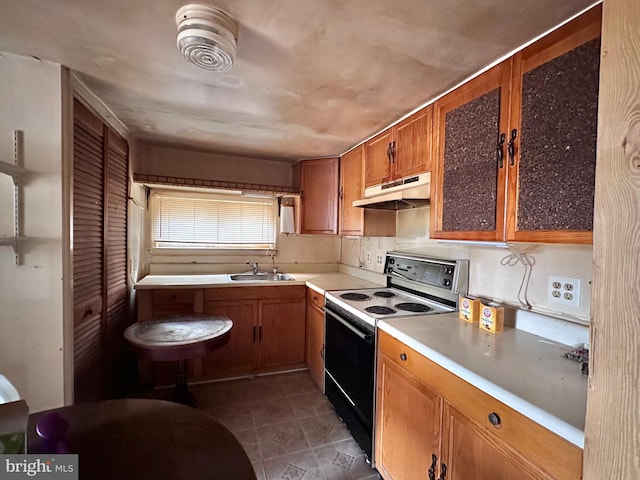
416	285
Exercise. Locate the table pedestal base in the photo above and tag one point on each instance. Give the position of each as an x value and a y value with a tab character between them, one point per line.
181	393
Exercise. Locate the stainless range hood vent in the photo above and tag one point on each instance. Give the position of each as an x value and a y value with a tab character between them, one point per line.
408	193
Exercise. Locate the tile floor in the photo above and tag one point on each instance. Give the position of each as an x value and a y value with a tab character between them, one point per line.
287	427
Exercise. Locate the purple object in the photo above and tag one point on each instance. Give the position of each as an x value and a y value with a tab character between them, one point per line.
52	428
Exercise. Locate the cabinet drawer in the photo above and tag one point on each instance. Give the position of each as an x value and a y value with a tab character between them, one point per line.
314	298
168	296
544	449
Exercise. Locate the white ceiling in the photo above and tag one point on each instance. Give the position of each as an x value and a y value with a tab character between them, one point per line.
312	77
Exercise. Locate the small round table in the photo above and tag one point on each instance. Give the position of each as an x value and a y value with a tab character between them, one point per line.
147	440
179	337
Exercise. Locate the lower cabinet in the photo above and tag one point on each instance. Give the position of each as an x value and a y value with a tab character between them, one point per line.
268	331
314	357
408	424
430	424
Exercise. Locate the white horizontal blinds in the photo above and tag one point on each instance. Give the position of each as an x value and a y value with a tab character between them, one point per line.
216	221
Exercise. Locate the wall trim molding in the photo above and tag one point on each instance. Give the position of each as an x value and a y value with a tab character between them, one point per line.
204	183
90	100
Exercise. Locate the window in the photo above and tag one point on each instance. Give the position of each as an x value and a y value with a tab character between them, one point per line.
212	221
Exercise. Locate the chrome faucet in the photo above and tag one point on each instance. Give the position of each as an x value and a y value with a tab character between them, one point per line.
254	267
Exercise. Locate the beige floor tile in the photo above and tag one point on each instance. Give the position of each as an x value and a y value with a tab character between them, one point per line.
281	438
295	466
343	461
324	429
258	467
234	417
297	383
275	410
310	404
249	440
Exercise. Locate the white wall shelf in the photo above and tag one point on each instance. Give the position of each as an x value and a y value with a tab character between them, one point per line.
17	173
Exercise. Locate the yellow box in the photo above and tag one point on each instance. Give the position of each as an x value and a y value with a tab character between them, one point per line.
469	309
491	318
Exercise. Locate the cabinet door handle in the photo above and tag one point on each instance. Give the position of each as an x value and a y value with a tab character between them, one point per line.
403	357
322	352
511	147
254	334
443	472
393	152
432	468
500	150
389	152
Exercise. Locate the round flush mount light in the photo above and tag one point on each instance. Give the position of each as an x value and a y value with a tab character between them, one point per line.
207	37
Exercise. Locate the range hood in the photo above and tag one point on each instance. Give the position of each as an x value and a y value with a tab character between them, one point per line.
409	192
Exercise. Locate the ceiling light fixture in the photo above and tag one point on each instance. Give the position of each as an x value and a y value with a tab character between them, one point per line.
207	37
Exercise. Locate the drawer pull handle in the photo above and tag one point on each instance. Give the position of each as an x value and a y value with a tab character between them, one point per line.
494	419
403	357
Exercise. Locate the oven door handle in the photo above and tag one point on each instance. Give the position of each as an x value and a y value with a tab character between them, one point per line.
367	337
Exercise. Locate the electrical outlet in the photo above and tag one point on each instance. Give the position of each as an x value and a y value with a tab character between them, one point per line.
379	258
368	257
564	291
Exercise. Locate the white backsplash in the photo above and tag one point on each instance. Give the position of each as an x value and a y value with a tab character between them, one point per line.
489	279
296	253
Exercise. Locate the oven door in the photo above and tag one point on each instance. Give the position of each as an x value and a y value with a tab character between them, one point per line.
350	374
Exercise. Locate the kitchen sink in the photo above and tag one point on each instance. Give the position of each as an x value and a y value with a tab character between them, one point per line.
260	277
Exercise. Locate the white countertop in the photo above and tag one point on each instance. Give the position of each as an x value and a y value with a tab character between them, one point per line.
317	281
523	371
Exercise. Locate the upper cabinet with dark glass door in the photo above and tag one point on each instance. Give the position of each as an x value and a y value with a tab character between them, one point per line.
469	169
400	151
515	147
554	119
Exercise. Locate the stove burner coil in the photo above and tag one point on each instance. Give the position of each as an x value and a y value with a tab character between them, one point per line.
384	294
380	310
413	307
360	297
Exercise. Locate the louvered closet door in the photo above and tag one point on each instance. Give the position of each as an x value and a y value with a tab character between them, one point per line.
88	252
116	261
100	193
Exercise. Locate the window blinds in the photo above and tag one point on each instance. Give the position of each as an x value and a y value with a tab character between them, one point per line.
183	220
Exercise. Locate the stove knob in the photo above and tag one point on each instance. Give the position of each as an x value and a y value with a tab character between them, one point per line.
448	270
392	261
446	282
389	269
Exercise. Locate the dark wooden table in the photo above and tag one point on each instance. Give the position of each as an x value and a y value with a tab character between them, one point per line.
141	439
176	338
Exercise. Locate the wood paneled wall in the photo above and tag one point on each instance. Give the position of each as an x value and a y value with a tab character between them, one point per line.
612	435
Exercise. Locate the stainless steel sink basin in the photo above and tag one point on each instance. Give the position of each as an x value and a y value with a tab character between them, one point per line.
260	277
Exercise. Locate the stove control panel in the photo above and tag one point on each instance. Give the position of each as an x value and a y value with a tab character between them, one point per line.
449	275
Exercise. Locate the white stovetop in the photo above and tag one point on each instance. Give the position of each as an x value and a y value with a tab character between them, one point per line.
524	371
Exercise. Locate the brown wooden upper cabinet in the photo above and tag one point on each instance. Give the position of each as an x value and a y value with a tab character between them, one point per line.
358	221
399	151
515	147
319	196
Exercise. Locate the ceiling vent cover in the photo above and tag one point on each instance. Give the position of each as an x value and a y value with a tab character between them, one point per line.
207	37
